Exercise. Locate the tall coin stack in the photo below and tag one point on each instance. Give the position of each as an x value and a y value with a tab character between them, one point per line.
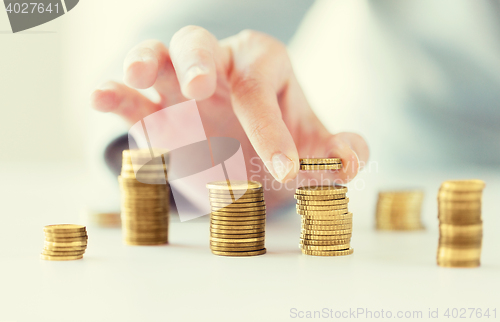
326	222
399	210
145	198
64	242
237	219
460	223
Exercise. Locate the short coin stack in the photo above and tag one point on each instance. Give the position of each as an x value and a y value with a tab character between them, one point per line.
326	222
145	203
320	164
64	242
460	223
399	210
237	219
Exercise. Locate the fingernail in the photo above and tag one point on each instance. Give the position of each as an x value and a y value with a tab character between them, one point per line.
105	86
142	56
282	165
193	72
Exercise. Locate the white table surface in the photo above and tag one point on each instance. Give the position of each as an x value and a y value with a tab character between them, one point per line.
393	271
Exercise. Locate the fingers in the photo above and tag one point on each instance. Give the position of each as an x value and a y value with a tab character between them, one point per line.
194	52
123	101
142	63
260	71
148	64
352	149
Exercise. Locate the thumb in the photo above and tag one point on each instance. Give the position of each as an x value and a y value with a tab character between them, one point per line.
352	149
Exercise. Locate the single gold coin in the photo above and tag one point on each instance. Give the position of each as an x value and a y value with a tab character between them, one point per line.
335	212
236	249
144	243
142	214
399	227
452	230
451	263
340	196
252	253
132	234
149	204
325	237
236	200
344	201
234	185
65	235
328	253
238	218
326	222
460	217
68	244
64	228
59	253
475	241
328	217
157	229
462	196
147	218
401	193
237	205
238	214
257	223
237	236
323	248
237	231
231	194
320	161
459	204
327	227
326	232
238	227
463	185
321	190
146	228
331	242
310	167
230	244
60	258
146	222
65	249
66	239
459	254
321	208
240	240
246	209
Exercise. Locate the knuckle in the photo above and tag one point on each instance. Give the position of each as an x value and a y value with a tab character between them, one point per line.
190	30
246	85
253	37
258	129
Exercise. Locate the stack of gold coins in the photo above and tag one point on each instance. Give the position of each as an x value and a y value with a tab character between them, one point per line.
102	219
399	210
64	242
320	164
326	222
145	198
237	219
460	223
